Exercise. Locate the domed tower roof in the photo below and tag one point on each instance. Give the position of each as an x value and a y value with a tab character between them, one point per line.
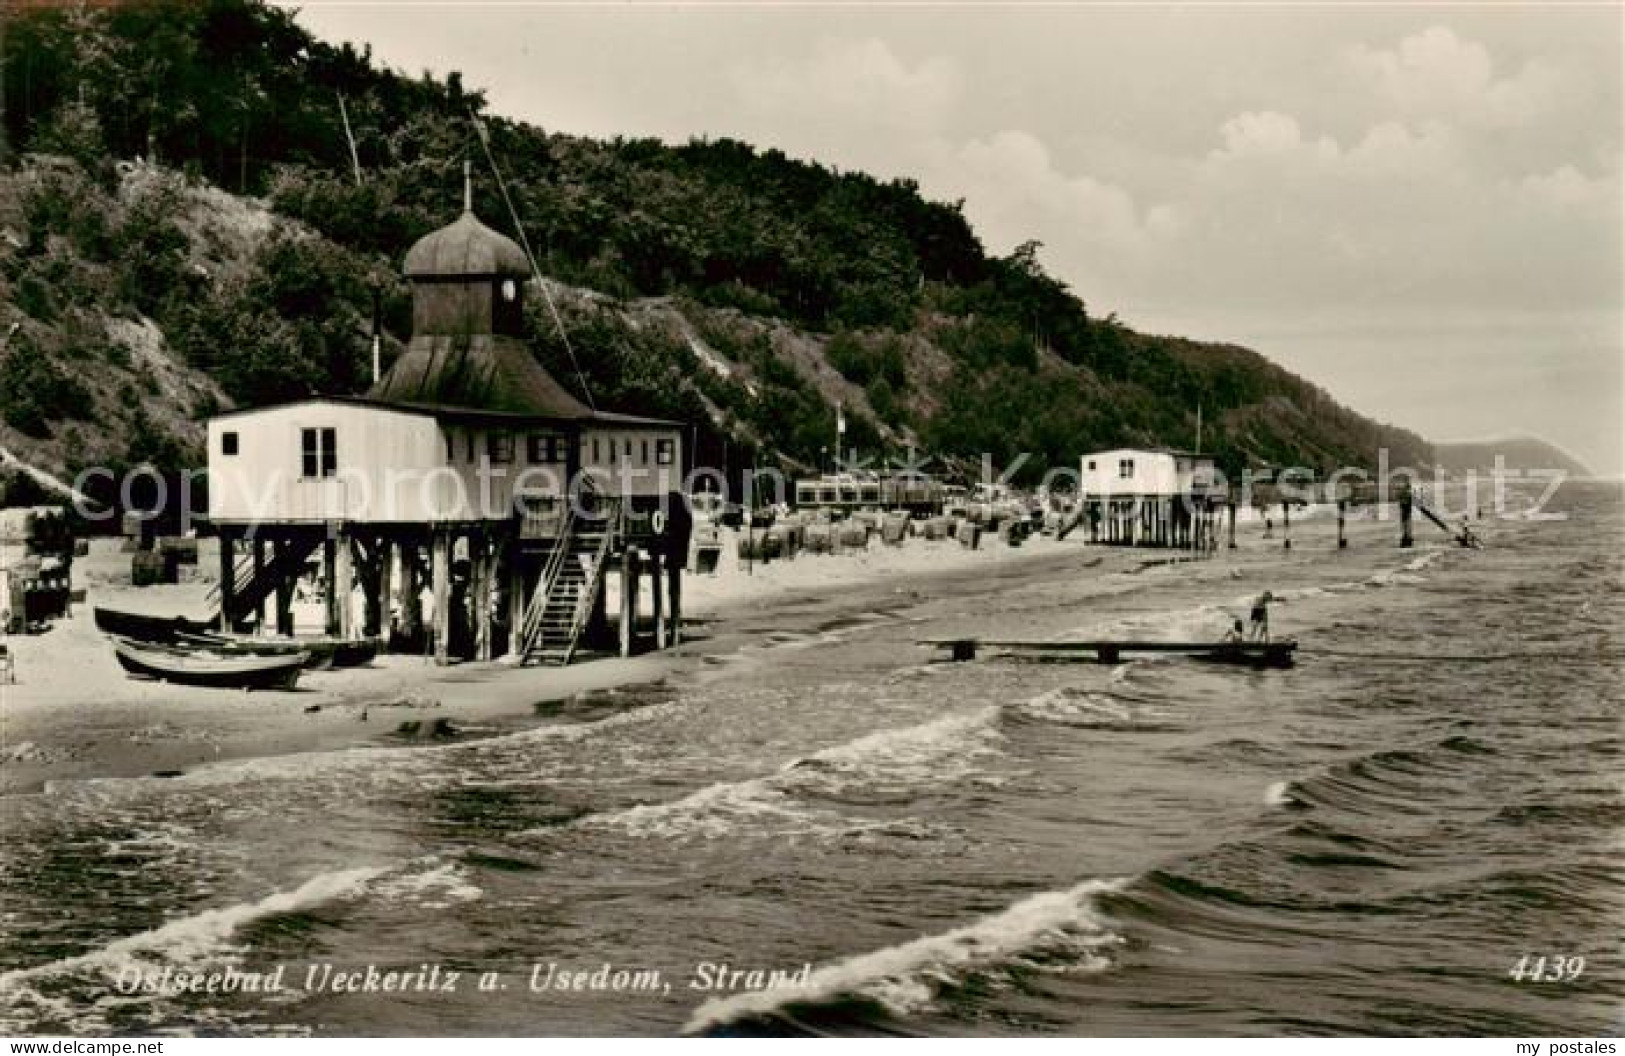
467	349
465	247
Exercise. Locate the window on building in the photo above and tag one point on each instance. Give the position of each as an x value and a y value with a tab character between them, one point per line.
645	456
228	443
1091	465
665	452
1125	468
597	456
499	448
468	447
627	449
319	453
548	449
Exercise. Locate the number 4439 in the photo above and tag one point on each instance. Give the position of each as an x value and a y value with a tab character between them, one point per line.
1547	969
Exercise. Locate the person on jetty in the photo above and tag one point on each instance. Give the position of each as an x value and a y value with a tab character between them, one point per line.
1237	633
1259	629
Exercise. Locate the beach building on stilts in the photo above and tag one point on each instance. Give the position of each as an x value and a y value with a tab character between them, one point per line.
1150	497
467	506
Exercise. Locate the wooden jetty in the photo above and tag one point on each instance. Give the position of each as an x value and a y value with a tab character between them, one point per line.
1278	653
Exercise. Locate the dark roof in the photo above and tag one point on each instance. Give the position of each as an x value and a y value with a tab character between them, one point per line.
421	409
465	247
447	412
489	372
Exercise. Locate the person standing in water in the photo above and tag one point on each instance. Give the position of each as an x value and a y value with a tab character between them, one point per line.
1260	625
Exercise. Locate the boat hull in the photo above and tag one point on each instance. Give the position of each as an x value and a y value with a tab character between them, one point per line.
324	652
140	627
215	672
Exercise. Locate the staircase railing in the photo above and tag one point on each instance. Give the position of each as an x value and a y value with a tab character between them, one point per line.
589	589
537	607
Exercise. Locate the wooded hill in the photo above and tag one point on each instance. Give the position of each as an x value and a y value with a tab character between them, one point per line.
183	230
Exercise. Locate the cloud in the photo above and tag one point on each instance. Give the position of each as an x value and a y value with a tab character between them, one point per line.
1449	185
1437	75
860	83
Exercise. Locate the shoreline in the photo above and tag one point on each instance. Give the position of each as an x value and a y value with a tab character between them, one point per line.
75	716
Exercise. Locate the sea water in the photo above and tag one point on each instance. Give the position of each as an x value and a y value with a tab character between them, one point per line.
826	832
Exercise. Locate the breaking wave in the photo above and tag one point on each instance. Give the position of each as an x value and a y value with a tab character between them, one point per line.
1054	928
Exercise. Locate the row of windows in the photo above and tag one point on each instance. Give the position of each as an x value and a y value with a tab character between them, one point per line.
318	449
1125	467
540	448
605	450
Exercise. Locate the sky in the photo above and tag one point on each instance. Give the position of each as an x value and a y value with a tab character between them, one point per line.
1418	207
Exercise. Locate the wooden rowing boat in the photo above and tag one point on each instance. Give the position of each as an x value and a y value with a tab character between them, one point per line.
324	652
140	627
214	670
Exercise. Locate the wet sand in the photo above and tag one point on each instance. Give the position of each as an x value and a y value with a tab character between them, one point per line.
74	714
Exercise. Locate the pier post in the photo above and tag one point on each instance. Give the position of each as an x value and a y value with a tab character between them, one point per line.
259	571
629	599
342	612
480	579
284	589
1286	525
658	601
411	591
674	592
1405	538
1342	513
516	596
330	617
1232	529
228	579
383	591
440	573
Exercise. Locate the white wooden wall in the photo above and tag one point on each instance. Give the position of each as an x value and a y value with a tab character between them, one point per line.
395	466
1155	473
625	461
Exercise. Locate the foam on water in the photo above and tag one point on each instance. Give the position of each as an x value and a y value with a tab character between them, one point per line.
907	978
441	885
909	757
1072	706
189	940
1280	794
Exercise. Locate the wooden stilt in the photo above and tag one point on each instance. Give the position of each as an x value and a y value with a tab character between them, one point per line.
1286	525
228	578
1405	538
330	623
658	601
629	596
260	606
1231	505
674	591
1342	513
481	573
411	591
284	591
440	573
344	586
383	592
517	595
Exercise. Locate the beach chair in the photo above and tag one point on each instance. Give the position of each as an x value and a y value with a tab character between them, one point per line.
8	665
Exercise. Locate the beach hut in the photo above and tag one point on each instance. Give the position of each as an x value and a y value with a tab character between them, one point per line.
467	467
1149	497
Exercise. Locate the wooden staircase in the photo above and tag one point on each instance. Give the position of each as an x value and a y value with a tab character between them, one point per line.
562	602
249	590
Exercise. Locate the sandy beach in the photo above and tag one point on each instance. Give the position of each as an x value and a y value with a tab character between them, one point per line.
74	714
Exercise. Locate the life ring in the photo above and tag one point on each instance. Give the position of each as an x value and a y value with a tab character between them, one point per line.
657	521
